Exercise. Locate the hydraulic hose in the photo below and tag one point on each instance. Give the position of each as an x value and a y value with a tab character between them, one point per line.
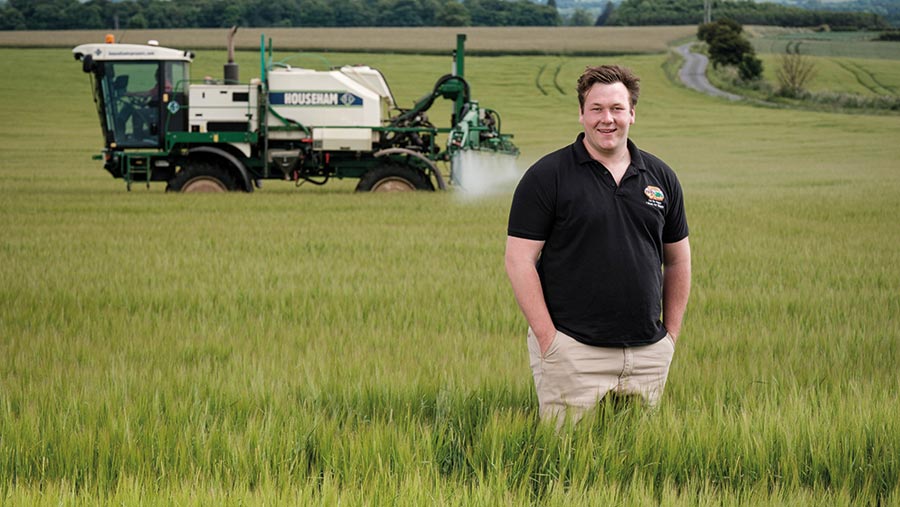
426	103
288	121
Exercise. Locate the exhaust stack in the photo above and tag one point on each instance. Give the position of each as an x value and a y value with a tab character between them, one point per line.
231	68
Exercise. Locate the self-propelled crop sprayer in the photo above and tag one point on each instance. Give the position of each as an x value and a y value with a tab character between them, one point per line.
290	123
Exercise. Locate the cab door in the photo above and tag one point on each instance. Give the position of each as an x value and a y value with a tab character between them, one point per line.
133	103
175	97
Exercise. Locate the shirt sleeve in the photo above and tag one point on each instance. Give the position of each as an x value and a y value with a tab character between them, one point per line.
533	208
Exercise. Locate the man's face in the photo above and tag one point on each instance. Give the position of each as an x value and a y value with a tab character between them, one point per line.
607	115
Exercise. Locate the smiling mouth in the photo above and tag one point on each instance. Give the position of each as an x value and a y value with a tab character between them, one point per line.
606	131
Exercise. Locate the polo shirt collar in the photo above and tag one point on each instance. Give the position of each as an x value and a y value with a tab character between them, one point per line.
583	157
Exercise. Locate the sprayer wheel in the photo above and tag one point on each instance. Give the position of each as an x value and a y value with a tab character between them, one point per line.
201	177
394	178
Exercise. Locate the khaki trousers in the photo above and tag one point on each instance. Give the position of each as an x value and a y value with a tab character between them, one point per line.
571	377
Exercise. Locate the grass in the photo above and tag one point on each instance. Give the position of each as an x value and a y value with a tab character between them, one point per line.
316	346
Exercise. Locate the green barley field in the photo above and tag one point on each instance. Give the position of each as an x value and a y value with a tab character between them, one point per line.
313	346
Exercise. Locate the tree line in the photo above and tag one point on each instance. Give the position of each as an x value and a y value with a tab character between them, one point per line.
135	14
745	12
100	14
889	9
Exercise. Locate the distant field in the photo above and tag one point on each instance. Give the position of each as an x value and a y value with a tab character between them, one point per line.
531	40
828	44
314	346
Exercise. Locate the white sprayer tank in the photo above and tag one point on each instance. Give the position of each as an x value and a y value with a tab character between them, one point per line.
339	107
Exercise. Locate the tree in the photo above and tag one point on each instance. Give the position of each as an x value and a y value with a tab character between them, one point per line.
315	13
268	12
511	13
607	12
353	13
428	10
794	71
581	17
137	21
48	14
231	16
453	14
12	19
726	46
400	13
709	31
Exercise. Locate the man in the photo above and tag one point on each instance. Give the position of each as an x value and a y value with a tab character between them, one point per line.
591	228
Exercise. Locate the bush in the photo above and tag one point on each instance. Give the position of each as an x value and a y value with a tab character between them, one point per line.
750	68
850	101
794	71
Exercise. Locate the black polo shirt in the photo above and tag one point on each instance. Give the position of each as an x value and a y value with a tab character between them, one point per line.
600	267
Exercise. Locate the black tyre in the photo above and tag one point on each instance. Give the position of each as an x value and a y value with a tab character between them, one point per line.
394	178
201	177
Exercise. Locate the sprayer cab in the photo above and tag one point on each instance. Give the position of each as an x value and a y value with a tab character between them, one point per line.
140	91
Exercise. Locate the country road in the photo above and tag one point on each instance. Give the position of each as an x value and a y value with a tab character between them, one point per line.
693	73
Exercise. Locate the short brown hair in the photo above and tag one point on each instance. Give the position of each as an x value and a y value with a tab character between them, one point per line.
608	74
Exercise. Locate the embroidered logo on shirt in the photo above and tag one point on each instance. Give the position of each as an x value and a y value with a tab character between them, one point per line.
654	194
655	197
